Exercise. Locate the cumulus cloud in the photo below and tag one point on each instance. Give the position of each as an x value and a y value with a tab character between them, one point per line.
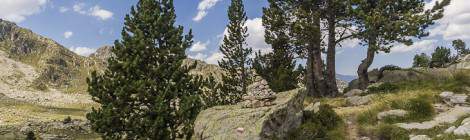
198	56
456	21
420	46
203	7
18	10
95	11
63	9
199	46
100	13
214	58
83	51
68	34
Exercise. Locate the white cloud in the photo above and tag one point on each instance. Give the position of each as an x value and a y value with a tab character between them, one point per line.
199	46
420	46
214	58
95	11
83	51
198	56
100	13
79	8
68	34
256	39
18	10
63	9
202	8
456	21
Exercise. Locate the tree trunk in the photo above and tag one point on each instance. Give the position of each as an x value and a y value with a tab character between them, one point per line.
364	66
331	52
309	77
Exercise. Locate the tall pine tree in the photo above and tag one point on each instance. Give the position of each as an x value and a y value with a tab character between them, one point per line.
383	23
277	67
146	93
236	57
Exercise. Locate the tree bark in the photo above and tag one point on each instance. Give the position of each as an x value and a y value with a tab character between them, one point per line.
331	52
364	66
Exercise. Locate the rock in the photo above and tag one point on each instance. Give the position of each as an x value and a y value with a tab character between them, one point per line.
447	117
26	129
462	63
453	99
313	107
463	130
364	138
271	122
358	100
420	137
353	92
392	113
259	93
450	130
466	120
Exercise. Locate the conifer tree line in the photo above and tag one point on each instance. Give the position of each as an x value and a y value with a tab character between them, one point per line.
146	93
442	56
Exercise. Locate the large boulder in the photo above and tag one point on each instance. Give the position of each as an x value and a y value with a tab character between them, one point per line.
462	63
235	122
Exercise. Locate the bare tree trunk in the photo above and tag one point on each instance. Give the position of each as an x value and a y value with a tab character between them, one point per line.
309	77
364	66
331	52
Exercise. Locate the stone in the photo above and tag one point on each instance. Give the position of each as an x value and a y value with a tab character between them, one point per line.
392	113
450	130
447	117
358	100
420	137
453	99
271	122
466	120
463	130
462	63
364	138
258	93
353	92
315	107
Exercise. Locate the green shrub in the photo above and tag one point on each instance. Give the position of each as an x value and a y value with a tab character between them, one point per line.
30	136
67	120
316	125
391	132
390	67
384	88
420	108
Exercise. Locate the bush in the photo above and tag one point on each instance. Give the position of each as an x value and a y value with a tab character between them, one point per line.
384	88
420	108
391	132
30	136
316	125
389	67
67	120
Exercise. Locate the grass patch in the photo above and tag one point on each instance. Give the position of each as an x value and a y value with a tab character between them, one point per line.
325	124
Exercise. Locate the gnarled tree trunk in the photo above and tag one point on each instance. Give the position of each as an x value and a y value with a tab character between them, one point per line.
331	52
365	64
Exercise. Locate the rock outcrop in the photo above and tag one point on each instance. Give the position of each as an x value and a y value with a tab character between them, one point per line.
235	122
358	100
453	99
392	113
447	117
462	63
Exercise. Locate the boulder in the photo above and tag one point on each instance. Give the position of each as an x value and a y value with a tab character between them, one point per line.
358	100
235	122
315	107
462	63
392	113
353	92
419	137
453	99
463	130
450	130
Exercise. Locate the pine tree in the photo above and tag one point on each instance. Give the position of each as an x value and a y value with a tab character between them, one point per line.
146	93
440	57
236	57
421	60
460	46
383	23
306	34
277	67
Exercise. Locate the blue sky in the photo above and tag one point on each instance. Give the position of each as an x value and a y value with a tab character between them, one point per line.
84	25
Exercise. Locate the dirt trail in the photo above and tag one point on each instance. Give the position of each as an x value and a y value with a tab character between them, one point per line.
352	128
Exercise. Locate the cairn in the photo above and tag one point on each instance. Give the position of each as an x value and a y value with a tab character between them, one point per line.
259	94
